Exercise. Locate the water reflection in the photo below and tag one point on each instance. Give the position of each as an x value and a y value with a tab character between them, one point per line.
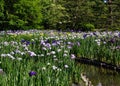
100	76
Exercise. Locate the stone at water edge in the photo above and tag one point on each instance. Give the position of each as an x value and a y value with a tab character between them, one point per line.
75	84
99	84
86	80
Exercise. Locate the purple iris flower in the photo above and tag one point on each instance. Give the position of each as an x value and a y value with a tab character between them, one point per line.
95	34
32	73
48	45
46	41
22	41
27	42
118	47
32	43
84	36
54	42
112	40
78	43
119	34
42	41
72	30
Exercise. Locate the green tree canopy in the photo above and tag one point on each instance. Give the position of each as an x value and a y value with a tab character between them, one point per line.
59	14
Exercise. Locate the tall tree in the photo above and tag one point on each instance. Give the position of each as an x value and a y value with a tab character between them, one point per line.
1	14
29	12
99	13
80	12
22	14
53	13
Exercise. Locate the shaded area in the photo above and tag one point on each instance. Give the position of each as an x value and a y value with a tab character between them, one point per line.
98	64
99	76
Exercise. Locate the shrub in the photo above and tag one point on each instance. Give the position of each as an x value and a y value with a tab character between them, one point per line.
87	27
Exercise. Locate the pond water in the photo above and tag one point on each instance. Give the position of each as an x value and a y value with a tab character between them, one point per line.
99	76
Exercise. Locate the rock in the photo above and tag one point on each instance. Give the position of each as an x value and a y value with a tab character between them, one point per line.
75	84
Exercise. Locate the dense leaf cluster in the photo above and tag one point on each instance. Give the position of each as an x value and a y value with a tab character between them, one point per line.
60	14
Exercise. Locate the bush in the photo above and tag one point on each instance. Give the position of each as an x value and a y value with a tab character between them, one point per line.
87	27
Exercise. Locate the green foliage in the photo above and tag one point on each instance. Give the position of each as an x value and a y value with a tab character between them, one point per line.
1	13
29	13
89	27
22	14
53	14
60	14
1	8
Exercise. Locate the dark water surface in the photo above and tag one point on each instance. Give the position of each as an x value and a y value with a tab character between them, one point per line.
99	76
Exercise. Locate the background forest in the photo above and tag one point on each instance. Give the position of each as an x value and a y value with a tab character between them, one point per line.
84	15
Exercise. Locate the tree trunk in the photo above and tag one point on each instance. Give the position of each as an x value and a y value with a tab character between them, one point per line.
110	20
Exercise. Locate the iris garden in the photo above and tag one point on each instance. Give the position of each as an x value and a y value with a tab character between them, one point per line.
47	57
